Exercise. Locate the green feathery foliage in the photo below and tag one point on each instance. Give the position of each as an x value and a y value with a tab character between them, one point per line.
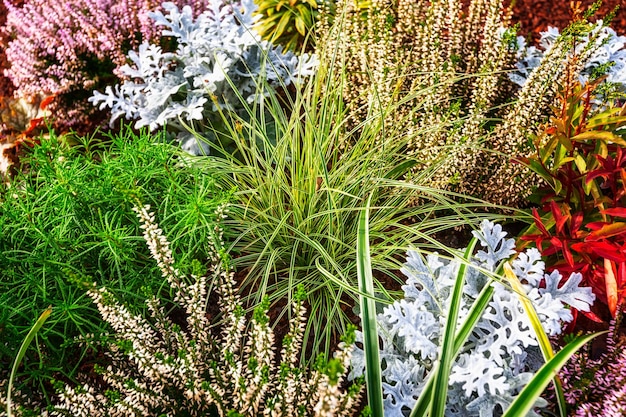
68	214
154	367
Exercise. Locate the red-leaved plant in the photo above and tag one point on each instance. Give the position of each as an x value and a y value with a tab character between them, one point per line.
581	225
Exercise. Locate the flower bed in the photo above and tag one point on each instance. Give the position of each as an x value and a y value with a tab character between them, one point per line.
317	172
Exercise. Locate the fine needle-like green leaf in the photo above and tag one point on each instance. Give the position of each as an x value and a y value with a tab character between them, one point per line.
22	352
373	377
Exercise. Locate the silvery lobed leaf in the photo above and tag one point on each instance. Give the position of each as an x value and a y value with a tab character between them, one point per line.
569	292
478	374
529	267
491	236
418	327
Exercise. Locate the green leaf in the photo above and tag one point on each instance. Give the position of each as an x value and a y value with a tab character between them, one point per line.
548	148
282	25
448	344
538	169
22	352
524	402
580	163
542	337
601	135
300	26
566	142
560	154
373	375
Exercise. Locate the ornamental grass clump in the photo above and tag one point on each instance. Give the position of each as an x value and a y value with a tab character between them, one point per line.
219	60
298	196
502	351
156	367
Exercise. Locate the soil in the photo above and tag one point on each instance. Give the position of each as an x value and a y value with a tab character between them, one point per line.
534	16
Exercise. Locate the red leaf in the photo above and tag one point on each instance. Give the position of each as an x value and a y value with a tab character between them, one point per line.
559	218
592	316
596	225
621	275
34	123
45	102
608	230
577	221
550	250
616	211
556	242
539	223
568	255
581	247
605	250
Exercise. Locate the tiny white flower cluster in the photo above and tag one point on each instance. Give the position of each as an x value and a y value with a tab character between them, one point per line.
608	48
158	368
220	62
500	355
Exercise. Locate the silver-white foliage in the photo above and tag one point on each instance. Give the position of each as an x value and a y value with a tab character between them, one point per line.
610	47
501	354
220	61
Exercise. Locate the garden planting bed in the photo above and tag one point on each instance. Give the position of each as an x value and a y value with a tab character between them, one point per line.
430	199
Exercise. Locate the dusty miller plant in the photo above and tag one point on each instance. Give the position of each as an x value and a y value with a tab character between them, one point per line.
608	57
156	367
501	354
220	63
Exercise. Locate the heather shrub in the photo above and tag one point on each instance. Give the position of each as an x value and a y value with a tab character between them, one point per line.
68	48
6	86
220	64
580	157
156	367
608	57
68	211
451	61
500	355
596	386
421	55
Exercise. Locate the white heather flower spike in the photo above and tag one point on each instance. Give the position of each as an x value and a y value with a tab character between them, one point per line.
156	367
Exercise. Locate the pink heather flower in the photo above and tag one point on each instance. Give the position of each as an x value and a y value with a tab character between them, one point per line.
61	47
597	387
